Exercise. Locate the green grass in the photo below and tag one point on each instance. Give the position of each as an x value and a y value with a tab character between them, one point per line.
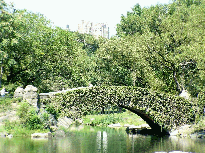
5	104
19	130
106	119
2	129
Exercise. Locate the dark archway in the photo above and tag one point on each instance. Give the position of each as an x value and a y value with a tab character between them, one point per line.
156	128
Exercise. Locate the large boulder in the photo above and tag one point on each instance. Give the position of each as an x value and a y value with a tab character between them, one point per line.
64	122
31	95
19	92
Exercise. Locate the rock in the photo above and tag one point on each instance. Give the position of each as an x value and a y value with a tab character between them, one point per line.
145	126
65	122
19	92
126	125
41	135
184	94
185	127
135	127
174	133
31	95
114	125
59	133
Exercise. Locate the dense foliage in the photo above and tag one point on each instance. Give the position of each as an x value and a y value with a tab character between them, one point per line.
169	41
164	109
159	47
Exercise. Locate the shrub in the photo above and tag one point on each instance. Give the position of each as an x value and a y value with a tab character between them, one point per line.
9	125
50	108
33	121
30	119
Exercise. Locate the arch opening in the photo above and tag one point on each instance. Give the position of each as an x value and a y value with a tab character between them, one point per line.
155	127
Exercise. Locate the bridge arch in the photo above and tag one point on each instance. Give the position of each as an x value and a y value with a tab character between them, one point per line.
160	111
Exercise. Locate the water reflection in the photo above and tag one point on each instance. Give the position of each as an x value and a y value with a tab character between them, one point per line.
91	140
102	141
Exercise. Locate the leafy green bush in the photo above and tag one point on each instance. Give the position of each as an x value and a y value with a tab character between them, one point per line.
33	121
50	108
30	119
10	125
22	111
12	87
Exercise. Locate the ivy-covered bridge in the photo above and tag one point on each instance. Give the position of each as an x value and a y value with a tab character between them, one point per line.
161	111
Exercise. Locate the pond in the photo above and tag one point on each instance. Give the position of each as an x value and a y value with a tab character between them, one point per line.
101	140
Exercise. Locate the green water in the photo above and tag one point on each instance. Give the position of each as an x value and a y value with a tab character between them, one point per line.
99	140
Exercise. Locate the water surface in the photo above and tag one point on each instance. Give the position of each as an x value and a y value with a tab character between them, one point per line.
101	140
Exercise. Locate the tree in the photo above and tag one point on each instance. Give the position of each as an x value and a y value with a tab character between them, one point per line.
171	40
7	37
40	54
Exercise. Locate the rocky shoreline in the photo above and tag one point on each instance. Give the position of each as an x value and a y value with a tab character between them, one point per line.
188	131
185	131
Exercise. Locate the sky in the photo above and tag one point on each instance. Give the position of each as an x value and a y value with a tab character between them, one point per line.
72	12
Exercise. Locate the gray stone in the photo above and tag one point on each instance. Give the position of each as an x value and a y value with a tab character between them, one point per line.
114	125
174	133
41	135
31	95
65	122
19	92
44	95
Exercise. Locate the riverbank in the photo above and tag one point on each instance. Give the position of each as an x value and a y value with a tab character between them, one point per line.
195	130
129	120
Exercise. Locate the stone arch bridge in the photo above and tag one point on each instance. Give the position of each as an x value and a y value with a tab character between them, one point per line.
161	111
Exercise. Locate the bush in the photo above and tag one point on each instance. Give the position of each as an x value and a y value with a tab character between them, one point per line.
9	125
22	111
50	108
12	87
30	119
33	121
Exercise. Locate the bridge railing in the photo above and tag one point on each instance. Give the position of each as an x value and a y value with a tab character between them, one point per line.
53	94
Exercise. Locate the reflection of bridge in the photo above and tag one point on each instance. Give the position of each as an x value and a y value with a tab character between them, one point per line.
160	111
